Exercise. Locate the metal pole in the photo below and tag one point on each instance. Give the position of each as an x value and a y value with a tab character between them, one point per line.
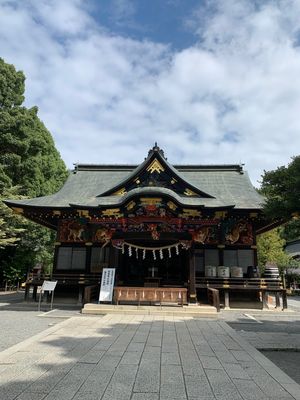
40	299
52	300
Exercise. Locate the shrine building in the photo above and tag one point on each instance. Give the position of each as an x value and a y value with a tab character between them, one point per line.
159	225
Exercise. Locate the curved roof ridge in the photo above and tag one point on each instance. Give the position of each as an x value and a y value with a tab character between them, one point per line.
154	153
116	201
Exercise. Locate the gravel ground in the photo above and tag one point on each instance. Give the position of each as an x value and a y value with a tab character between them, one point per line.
16	326
20	320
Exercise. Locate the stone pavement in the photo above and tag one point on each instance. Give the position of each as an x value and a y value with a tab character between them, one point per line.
140	358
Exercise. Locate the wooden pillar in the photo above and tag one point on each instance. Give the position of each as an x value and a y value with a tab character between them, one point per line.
113	257
255	260
264	300
226	299
254	248
277	298
284	300
221	254
88	257
192	276
55	258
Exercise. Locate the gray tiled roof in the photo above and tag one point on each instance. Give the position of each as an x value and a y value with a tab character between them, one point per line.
229	185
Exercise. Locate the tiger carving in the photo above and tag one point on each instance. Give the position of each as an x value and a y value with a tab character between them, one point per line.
234	235
75	232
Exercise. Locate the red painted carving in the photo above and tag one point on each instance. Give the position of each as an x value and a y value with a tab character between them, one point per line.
71	231
103	235
202	235
153	231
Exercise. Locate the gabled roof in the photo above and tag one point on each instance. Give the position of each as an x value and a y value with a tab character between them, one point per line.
211	186
156	171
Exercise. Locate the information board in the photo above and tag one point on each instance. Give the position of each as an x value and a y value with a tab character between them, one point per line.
48	286
107	284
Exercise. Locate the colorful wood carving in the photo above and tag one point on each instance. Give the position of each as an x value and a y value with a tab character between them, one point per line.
205	235
72	231
238	232
103	235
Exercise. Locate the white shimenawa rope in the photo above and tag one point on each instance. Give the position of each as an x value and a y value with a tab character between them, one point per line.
135	246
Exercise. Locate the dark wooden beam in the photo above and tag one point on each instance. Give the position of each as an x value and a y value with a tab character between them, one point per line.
192	276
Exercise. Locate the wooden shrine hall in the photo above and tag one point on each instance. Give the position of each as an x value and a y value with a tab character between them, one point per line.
173	232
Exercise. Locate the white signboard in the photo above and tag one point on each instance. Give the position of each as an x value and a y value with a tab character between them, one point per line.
48	286
107	284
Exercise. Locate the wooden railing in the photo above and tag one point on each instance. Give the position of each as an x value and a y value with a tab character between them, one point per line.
214	298
239	283
150	295
66	278
263	285
90	293
63	279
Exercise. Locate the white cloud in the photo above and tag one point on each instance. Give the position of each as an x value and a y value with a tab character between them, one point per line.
233	96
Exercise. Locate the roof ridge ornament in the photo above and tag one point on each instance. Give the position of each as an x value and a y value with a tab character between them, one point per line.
156	149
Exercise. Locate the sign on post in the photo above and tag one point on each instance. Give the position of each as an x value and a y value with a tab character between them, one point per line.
107	284
47	286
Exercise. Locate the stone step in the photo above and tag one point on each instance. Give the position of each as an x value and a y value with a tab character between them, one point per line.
192	310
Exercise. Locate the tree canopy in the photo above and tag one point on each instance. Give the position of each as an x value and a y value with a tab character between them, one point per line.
10	223
28	157
12	86
30	166
270	248
282	190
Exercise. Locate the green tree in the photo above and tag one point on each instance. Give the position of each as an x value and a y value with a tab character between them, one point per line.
12	86
270	248
282	190
291	230
10	229
28	157
30	162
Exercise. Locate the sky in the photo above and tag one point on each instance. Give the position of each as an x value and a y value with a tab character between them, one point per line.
212	81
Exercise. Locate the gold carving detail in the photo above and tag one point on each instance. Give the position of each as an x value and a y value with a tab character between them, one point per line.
83	213
120	192
189	192
151	201
130	205
171	205
187	212
220	214
56	212
112	212
155	166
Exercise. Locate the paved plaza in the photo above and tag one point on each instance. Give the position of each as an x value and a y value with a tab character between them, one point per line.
140	358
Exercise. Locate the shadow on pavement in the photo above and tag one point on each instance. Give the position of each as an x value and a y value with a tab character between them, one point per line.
119	357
